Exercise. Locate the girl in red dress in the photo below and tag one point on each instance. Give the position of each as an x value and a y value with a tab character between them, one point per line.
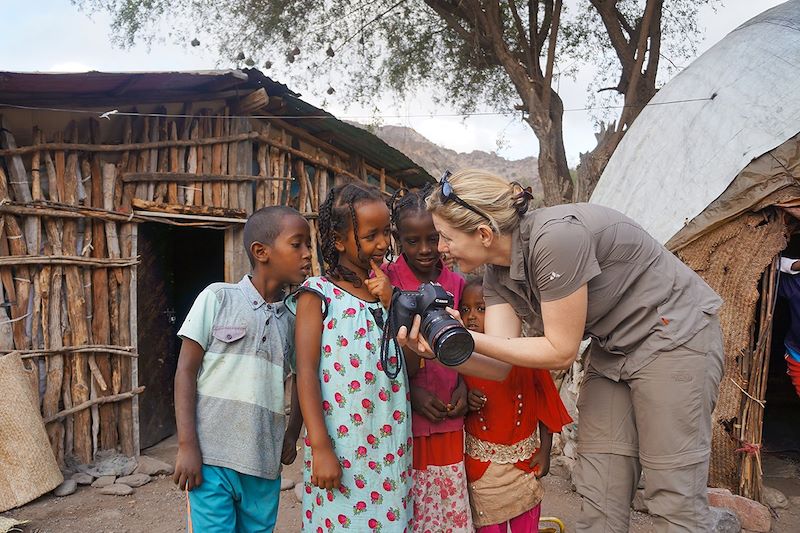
504	458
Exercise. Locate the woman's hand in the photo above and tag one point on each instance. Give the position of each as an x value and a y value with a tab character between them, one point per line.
412	340
476	399
427	404
326	472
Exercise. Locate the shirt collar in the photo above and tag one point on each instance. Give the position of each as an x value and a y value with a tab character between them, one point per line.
408	280
255	299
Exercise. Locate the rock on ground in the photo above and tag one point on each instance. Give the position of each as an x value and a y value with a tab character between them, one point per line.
774	498
562	466
724	521
111	463
103	481
287	483
752	515
152	467
82	478
117	489
298	492
134	480
639	504
68	487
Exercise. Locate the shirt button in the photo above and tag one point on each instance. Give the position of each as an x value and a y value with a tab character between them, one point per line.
228	336
255	302
483	428
519	396
263	339
517	422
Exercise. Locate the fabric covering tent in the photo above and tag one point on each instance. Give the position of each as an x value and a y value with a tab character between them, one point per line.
711	168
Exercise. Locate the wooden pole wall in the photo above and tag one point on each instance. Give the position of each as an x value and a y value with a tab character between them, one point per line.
69	203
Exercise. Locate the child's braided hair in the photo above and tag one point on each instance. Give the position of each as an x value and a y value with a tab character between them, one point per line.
403	202
336	216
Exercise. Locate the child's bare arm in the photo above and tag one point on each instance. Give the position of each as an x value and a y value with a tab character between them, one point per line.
325	469
541	459
189	461
293	427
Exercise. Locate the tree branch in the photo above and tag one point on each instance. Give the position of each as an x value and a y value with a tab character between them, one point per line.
523	40
544	29
551	55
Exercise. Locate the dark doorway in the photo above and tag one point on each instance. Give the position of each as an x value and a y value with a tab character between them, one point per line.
781	431
176	264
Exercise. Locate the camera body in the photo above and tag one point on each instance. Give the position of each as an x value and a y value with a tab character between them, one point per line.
451	342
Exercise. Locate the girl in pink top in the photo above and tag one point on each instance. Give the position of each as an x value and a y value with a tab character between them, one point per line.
438	395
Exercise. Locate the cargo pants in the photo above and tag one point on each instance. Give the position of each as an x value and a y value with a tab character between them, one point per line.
656	420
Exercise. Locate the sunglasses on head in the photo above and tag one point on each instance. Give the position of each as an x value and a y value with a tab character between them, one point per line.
448	195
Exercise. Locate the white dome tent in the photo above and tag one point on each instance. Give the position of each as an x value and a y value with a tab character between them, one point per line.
711	168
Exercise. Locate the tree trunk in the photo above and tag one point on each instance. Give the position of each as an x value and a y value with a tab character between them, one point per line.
553	169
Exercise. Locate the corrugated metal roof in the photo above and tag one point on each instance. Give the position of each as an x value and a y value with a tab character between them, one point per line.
118	89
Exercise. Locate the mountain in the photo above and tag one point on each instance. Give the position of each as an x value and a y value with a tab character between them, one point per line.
435	159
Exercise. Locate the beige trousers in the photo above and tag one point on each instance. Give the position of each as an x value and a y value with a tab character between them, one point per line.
657	420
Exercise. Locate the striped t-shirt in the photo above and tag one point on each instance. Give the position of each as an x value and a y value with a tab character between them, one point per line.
249	352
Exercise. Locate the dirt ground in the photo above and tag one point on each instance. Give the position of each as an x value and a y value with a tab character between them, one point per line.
160	507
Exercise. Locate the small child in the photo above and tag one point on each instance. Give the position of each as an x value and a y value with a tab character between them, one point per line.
501	445
438	395
229	385
358	436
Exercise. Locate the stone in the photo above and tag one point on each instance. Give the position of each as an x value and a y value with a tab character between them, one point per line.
68	487
298	492
82	478
752	515
134	480
639	503
111	463
562	467
153	467
117	489
103	481
287	483
724	520
774	498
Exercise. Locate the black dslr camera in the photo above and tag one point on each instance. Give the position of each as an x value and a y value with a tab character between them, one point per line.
451	342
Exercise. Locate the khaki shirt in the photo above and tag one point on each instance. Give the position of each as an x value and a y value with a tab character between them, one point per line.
642	298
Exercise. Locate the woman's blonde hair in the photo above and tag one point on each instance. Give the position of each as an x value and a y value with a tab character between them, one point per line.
502	202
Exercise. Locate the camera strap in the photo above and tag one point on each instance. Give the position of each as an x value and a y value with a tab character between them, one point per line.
391	370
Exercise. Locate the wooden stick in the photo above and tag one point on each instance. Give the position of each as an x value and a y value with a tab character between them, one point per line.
96	262
181	177
192	165
163	162
146	145
56	210
76	308
122	382
126	351
98	401
188	210
174	165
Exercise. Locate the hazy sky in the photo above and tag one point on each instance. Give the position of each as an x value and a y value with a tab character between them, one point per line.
53	35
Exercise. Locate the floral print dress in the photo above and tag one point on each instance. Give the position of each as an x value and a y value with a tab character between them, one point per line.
367	416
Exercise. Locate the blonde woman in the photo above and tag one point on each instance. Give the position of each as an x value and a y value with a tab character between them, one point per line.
581	270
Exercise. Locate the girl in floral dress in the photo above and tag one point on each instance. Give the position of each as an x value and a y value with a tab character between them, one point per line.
358	445
438	395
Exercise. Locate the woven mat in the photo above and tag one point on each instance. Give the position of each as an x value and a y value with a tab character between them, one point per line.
9	524
732	259
28	467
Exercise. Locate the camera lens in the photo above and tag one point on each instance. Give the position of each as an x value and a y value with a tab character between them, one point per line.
451	342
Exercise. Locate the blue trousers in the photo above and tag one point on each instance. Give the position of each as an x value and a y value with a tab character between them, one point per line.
230	502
